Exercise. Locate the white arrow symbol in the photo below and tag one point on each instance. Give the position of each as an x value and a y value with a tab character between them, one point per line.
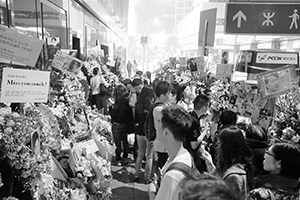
239	16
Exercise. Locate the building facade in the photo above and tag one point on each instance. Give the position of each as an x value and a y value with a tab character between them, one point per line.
77	24
182	9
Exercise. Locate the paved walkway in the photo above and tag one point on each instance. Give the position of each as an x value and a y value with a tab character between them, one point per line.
123	185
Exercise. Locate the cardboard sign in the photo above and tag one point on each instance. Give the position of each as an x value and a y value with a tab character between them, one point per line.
224	70
67	64
19	47
20	86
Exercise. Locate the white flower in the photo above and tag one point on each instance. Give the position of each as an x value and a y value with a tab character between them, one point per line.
8	130
15	115
10	123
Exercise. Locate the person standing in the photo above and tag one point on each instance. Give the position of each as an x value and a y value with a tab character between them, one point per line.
198	130
160	155
142	107
136	87
175	122
119	119
95	88
129	68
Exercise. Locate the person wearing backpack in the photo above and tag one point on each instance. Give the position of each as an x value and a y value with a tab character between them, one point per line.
197	132
153	126
175	124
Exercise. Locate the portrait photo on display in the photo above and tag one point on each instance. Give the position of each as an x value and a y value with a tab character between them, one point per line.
53	41
276	82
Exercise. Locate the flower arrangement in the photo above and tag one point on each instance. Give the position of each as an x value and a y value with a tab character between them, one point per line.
288	116
15	144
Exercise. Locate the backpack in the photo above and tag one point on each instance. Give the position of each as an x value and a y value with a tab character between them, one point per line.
183	168
149	128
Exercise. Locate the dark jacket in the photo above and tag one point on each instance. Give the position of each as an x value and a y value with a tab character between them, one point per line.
274	186
121	112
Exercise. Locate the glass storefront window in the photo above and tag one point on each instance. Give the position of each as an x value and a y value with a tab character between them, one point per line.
54	22
25	18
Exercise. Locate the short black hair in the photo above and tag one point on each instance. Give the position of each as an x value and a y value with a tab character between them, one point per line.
200	101
257	133
177	120
127	81
228	117
205	187
96	70
136	82
162	87
289	154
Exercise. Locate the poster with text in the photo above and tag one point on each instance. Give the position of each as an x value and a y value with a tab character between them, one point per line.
21	86
18	47
67	64
276	82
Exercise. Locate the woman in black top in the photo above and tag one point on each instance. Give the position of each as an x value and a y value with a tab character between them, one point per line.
142	106
120	121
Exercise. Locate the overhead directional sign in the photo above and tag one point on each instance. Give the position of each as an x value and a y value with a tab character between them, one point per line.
262	18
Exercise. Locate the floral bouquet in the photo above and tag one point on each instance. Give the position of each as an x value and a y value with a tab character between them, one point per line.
288	116
30	166
94	172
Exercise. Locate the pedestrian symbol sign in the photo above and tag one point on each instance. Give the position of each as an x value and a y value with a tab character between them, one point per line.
262	18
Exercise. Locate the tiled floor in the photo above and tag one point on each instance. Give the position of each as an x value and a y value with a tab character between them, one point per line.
123	185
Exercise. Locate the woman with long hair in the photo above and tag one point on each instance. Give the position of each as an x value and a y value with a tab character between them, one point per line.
282	161
235	160
183	98
258	141
142	107
119	118
234	163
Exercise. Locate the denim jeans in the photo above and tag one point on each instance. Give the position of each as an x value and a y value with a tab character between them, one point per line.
120	137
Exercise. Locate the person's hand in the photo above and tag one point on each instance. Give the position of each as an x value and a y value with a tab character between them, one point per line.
205	155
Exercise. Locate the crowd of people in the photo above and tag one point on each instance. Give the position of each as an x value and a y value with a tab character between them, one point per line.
193	152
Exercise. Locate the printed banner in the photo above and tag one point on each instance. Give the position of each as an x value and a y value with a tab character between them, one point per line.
67	64
19	47
277	58
20	86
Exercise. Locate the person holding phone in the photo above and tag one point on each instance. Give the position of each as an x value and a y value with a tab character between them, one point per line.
198	130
